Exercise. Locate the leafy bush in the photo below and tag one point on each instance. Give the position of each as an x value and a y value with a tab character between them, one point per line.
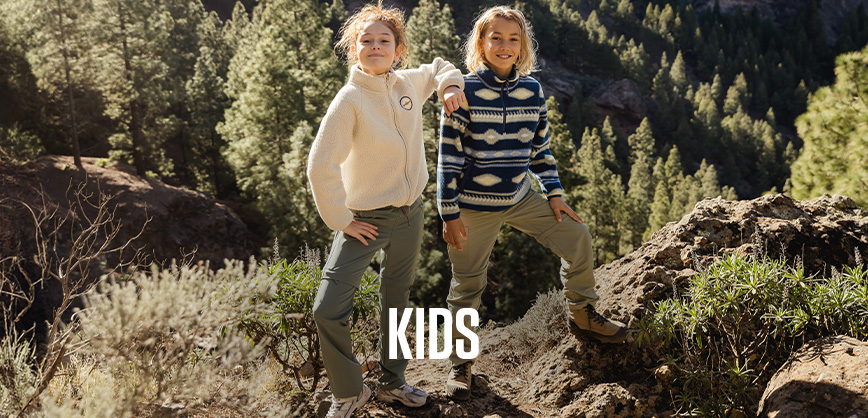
19	146
287	326
740	320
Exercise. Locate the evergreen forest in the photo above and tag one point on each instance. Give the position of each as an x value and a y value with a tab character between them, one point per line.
737	105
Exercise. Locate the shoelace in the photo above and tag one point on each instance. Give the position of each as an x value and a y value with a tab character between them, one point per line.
461	371
594	316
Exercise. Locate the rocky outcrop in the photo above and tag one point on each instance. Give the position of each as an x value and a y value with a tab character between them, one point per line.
824	233
825	378
173	220
625	98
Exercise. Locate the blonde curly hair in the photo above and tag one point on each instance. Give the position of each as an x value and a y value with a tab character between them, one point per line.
392	17
474	57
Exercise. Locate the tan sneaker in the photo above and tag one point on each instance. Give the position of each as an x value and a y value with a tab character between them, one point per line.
597	326
458	383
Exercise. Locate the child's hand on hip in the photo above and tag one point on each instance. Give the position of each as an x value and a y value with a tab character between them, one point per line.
558	205
454	233
359	230
453	97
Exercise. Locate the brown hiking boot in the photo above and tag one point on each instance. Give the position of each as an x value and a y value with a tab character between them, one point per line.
458	383
597	326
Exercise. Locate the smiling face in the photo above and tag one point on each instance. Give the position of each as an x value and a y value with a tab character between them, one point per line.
375	48
501	45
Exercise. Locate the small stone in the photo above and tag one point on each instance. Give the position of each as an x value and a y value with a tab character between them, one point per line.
307	369
370	366
451	411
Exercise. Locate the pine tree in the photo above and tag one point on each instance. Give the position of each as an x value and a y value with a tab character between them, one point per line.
189	22
624	10
431	32
835	128
206	104
132	41
640	188
717	90
562	147
673	170
269	126
678	74
736	96
659	210
600	200
59	57
680	198
240	34
709	185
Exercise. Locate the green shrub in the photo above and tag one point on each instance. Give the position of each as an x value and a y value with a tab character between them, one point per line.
19	146
288	327
740	320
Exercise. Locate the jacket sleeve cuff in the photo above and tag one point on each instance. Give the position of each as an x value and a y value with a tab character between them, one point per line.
340	221
452	78
450	216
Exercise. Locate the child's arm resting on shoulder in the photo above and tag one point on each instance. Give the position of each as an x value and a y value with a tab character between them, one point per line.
330	148
438	76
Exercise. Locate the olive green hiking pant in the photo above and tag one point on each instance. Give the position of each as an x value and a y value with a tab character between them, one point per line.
400	237
568	239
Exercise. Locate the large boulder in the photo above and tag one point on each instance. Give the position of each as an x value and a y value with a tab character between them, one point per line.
825	233
825	378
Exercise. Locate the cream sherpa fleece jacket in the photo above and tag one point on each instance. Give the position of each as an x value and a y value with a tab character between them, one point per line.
369	153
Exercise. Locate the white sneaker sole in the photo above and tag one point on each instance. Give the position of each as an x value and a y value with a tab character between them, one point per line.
388	397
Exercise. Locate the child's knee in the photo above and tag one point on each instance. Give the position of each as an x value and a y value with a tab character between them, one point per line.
330	305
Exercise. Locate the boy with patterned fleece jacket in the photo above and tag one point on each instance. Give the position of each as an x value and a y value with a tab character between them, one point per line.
487	147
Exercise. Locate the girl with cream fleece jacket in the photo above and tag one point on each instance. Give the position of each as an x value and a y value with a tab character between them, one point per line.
367	171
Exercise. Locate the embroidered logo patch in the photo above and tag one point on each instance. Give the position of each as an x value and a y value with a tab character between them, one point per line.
406	103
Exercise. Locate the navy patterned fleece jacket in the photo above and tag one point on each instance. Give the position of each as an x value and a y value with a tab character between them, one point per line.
488	145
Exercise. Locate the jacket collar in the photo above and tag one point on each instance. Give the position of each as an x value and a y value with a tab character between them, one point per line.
379	83
489	77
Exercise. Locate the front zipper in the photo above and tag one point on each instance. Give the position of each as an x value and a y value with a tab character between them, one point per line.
503	99
403	140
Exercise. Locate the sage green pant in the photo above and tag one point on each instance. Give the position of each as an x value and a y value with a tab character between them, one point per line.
400	237
568	239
